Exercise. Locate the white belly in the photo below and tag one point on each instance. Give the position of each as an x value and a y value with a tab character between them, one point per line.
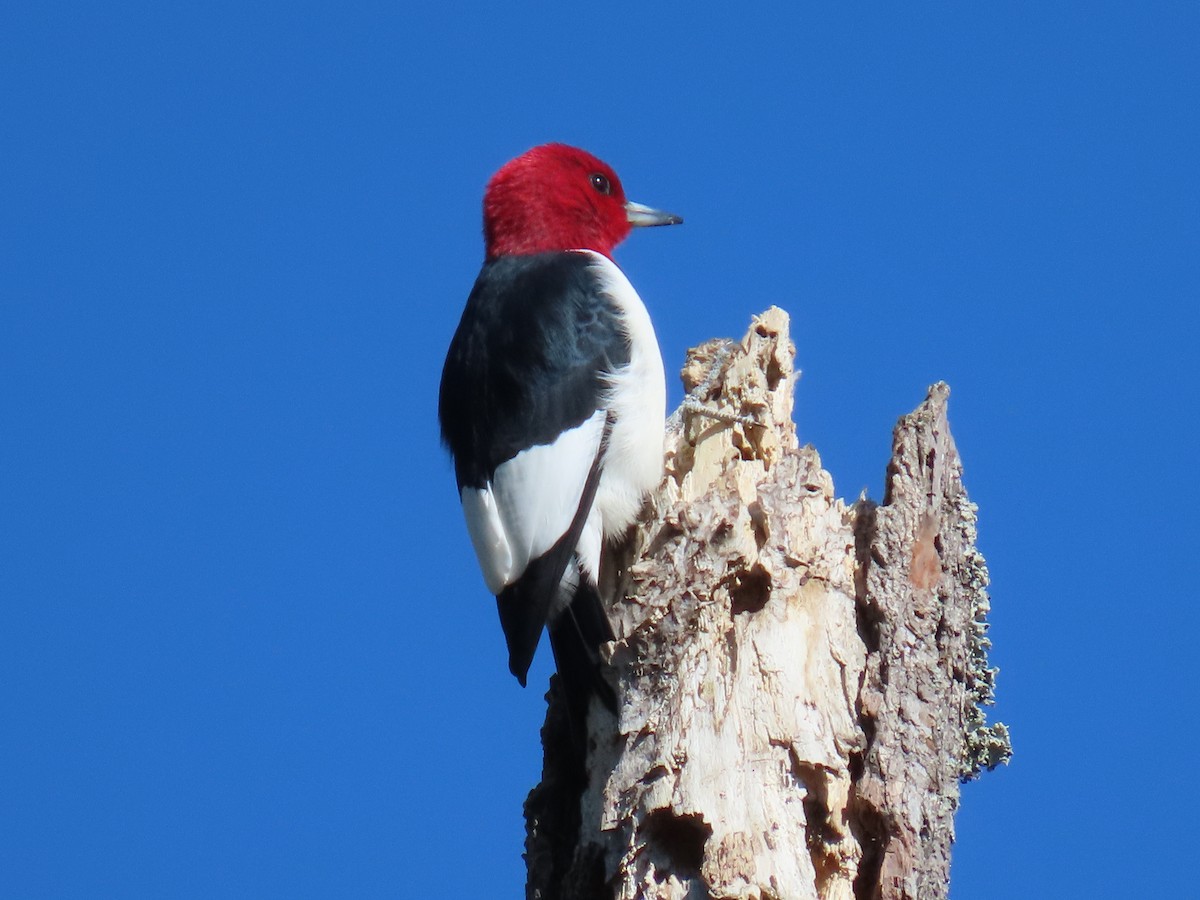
634	462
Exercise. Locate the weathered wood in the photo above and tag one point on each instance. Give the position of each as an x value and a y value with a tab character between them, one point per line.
923	588
797	676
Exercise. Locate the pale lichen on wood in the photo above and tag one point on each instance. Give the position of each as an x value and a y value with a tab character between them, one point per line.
760	670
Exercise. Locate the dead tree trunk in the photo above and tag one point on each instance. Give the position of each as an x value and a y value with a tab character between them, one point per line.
800	679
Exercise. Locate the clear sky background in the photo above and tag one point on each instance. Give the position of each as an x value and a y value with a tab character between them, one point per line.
244	649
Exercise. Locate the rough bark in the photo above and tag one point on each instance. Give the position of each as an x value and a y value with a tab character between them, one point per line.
800	679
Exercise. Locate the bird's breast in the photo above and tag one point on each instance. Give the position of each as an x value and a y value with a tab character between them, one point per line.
637	396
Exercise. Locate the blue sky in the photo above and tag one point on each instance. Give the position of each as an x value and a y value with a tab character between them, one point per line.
244	648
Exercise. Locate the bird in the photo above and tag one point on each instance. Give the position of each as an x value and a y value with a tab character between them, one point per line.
552	404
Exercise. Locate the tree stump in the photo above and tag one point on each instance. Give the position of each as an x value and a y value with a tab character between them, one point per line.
800	679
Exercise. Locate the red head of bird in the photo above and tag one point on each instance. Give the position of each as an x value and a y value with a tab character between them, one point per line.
556	197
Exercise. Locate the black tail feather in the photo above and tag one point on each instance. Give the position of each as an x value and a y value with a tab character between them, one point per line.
525	604
575	638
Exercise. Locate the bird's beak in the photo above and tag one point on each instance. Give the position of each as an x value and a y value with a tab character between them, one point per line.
640	216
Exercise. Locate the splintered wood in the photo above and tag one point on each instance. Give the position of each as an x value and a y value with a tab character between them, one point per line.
756	669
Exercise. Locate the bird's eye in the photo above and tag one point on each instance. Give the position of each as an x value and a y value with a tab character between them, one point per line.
600	183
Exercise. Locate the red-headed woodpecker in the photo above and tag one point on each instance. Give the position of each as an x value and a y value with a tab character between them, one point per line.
552	403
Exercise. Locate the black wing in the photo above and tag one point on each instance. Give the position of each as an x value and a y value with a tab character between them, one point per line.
528	360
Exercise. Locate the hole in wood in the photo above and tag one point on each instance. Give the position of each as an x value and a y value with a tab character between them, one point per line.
750	590
681	838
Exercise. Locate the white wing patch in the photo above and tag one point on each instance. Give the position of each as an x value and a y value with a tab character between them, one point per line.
487	537
530	502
